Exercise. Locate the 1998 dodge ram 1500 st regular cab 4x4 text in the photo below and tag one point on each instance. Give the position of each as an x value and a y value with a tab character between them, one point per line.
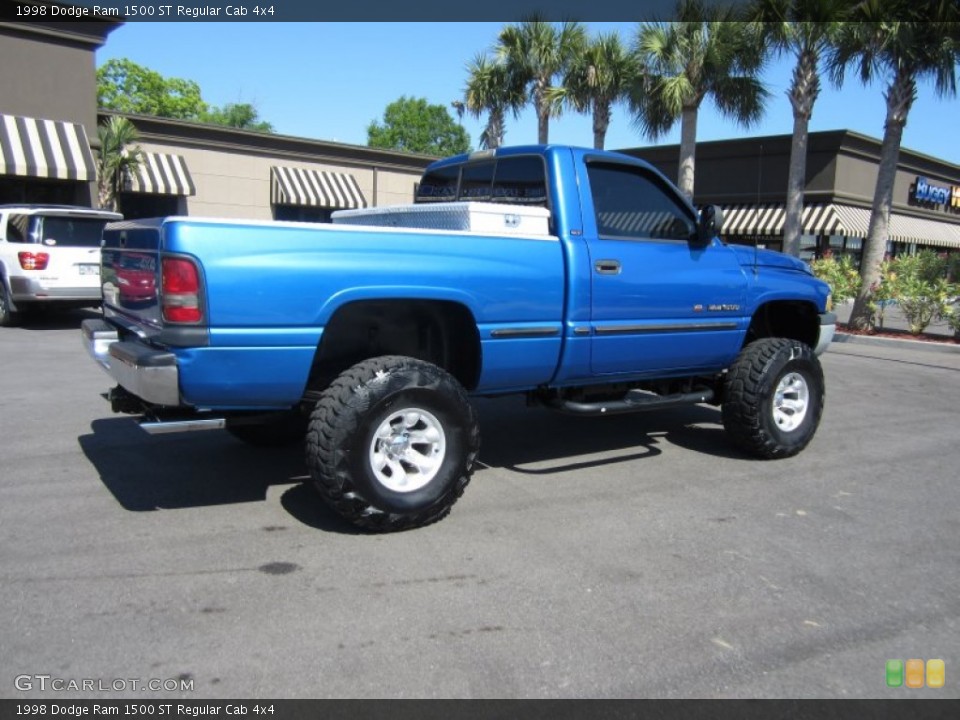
582	279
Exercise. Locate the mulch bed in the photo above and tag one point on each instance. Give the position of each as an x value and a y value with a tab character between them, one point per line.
898	335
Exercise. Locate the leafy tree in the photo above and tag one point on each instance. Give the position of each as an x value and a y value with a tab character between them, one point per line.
905	41
806	29
535	53
492	89
125	87
598	76
237	115
117	156
413	125
708	53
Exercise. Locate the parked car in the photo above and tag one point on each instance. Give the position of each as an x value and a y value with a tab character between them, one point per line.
49	257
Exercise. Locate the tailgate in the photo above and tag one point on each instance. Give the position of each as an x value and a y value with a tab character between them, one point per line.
130	271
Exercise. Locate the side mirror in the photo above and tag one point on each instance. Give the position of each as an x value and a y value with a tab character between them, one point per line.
711	220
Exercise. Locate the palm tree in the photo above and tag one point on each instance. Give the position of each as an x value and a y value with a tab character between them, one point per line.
535	53
116	158
597	78
907	41
805	28
492	89
707	53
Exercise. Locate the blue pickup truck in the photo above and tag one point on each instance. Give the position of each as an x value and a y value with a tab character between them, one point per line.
580	278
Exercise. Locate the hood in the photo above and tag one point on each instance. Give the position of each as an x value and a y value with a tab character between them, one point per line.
749	256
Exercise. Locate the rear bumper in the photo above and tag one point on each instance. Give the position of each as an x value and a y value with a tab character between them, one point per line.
828	328
24	290
150	374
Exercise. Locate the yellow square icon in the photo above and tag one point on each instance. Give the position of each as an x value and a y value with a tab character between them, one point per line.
936	673
914	674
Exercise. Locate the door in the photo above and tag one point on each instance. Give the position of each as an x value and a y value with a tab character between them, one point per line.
662	302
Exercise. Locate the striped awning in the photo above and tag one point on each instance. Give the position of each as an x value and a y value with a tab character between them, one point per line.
315	188
160	174
31	147
769	219
835	219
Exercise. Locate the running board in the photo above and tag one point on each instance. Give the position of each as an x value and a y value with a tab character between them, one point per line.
633	401
176	426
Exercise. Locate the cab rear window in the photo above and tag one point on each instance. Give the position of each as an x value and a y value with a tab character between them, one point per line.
519	180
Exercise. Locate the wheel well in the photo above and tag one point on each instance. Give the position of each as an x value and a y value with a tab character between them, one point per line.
439	332
787	319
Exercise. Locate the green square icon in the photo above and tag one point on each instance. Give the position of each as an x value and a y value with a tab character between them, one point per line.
894	673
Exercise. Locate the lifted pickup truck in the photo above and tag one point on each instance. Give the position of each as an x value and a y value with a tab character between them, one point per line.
580	278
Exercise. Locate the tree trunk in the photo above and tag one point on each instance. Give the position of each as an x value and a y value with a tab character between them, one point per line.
899	98
542	106
803	92
494	131
688	151
795	185
601	121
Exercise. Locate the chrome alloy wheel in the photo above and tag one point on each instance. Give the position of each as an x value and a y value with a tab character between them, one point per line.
407	450
790	401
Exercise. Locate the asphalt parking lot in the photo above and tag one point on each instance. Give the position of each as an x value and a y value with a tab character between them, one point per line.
629	557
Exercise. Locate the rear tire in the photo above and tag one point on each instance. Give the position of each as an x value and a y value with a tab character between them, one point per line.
8	318
392	443
773	398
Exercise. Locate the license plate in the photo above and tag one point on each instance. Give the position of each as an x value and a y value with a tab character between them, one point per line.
89	269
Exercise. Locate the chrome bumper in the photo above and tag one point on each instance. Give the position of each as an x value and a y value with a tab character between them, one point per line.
828	327
150	374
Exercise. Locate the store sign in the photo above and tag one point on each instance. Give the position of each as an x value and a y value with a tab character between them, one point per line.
925	191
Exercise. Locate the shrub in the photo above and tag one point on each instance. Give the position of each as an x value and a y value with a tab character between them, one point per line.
841	275
921	288
883	292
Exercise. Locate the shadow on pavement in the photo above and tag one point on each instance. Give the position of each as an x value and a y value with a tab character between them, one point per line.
514	436
53	319
146	472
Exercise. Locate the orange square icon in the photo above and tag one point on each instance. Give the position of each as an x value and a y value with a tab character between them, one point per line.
936	673
914	673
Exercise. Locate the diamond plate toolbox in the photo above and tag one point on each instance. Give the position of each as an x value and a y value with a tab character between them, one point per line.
478	217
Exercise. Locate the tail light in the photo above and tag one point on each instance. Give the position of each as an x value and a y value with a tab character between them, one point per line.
181	291
33	261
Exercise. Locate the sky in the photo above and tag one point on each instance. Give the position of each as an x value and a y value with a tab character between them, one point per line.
329	81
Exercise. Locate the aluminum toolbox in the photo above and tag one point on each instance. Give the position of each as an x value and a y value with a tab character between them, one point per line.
479	217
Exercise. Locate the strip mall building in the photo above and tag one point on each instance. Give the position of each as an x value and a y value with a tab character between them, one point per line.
48	121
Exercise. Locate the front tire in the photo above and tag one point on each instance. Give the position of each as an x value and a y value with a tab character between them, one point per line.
773	398
392	443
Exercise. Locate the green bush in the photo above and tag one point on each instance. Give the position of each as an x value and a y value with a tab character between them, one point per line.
921	288
883	292
841	275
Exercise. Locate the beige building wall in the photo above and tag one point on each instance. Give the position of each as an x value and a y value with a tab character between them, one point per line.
231	168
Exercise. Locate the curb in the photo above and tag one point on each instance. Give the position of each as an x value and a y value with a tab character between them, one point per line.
841	337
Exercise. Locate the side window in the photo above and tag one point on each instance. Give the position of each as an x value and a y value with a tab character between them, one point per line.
476	182
439	185
632	204
520	180
18	228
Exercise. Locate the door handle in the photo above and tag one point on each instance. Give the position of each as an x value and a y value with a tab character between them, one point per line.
607	267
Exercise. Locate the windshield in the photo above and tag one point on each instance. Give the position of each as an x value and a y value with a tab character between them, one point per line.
71	231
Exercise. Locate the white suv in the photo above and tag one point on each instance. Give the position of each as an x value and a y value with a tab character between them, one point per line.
49	257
